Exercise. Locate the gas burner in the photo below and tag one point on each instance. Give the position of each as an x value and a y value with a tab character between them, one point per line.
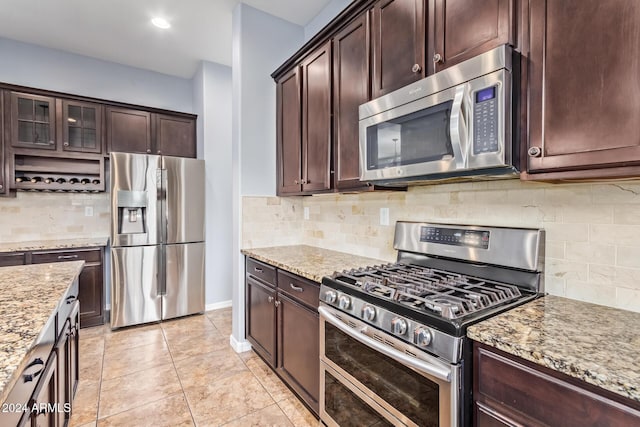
444	293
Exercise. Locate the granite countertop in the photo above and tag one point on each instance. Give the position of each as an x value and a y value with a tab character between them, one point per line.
308	261
36	245
594	343
29	295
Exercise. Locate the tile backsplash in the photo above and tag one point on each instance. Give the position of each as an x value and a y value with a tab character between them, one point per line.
50	216
592	229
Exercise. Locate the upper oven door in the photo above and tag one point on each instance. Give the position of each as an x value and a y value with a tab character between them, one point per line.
404	386
460	128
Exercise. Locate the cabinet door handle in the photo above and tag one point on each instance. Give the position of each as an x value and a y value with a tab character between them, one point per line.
437	59
296	182
296	288
416	68
67	256
148	150
534	151
71	299
258	269
277	304
66	144
31	377
270	299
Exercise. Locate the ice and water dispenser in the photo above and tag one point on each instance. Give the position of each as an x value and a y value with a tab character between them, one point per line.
132	212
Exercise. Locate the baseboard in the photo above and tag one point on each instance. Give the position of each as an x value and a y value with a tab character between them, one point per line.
217	305
239	346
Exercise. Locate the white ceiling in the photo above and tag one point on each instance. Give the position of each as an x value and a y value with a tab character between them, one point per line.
120	30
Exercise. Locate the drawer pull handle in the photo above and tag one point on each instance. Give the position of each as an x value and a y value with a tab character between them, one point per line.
71	299
67	256
258	269
31	377
296	288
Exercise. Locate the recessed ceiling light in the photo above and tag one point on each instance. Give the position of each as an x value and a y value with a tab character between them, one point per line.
161	23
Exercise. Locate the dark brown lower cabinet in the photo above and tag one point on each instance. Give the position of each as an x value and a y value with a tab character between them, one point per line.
91	293
261	319
283	327
298	348
44	403
509	391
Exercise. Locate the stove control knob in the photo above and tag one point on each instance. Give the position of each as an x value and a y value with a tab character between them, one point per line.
422	336
330	297
399	326
368	313
344	302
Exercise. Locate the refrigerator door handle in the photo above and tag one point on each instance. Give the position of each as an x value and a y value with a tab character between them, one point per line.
162	274
161	183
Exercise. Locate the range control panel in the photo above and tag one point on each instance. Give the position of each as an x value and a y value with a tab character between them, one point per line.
485	121
455	237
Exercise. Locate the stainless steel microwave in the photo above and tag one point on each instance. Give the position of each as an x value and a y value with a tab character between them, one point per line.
455	123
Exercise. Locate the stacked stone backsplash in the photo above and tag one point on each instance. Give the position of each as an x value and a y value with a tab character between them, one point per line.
592	229
51	216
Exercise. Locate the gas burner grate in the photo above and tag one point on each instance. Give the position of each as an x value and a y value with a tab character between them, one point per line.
444	293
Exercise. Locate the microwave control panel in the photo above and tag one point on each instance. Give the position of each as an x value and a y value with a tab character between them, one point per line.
485	121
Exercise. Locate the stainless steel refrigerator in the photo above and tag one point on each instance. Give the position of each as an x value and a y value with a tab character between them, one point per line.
157	238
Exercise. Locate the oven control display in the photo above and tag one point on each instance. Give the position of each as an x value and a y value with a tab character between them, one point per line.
455	237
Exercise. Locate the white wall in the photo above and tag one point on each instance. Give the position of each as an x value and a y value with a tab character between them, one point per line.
321	19
212	102
261	42
39	67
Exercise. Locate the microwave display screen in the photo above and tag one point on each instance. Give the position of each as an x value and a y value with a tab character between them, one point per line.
486	94
418	137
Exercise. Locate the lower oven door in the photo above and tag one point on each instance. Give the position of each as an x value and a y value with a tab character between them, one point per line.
370	378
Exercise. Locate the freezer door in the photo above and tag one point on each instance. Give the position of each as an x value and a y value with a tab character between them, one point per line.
184	199
135	296
135	206
184	288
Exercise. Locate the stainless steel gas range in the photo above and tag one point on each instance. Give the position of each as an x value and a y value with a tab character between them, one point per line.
393	337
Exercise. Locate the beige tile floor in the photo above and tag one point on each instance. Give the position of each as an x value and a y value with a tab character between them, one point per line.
179	373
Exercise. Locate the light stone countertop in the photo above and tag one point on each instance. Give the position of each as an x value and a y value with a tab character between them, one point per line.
36	245
308	261
29	296
594	343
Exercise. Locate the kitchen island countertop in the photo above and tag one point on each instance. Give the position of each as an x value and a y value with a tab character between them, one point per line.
593	343
37	245
310	262
29	296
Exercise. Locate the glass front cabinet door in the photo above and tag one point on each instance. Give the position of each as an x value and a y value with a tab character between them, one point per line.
81	126
33	121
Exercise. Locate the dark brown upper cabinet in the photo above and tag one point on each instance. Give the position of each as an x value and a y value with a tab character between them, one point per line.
289	133
128	130
304	125
462	29
584	89
33	121
316	120
175	136
351	87
142	132
81	126
399	44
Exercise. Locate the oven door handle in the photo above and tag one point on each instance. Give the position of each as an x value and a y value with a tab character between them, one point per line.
427	368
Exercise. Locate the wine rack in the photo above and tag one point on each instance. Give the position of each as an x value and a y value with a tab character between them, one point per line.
57	174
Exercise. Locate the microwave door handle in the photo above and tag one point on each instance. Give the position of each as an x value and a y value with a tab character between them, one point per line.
420	365
458	128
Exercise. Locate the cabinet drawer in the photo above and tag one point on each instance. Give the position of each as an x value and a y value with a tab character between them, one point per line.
12	258
87	255
262	271
66	305
299	288
510	387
